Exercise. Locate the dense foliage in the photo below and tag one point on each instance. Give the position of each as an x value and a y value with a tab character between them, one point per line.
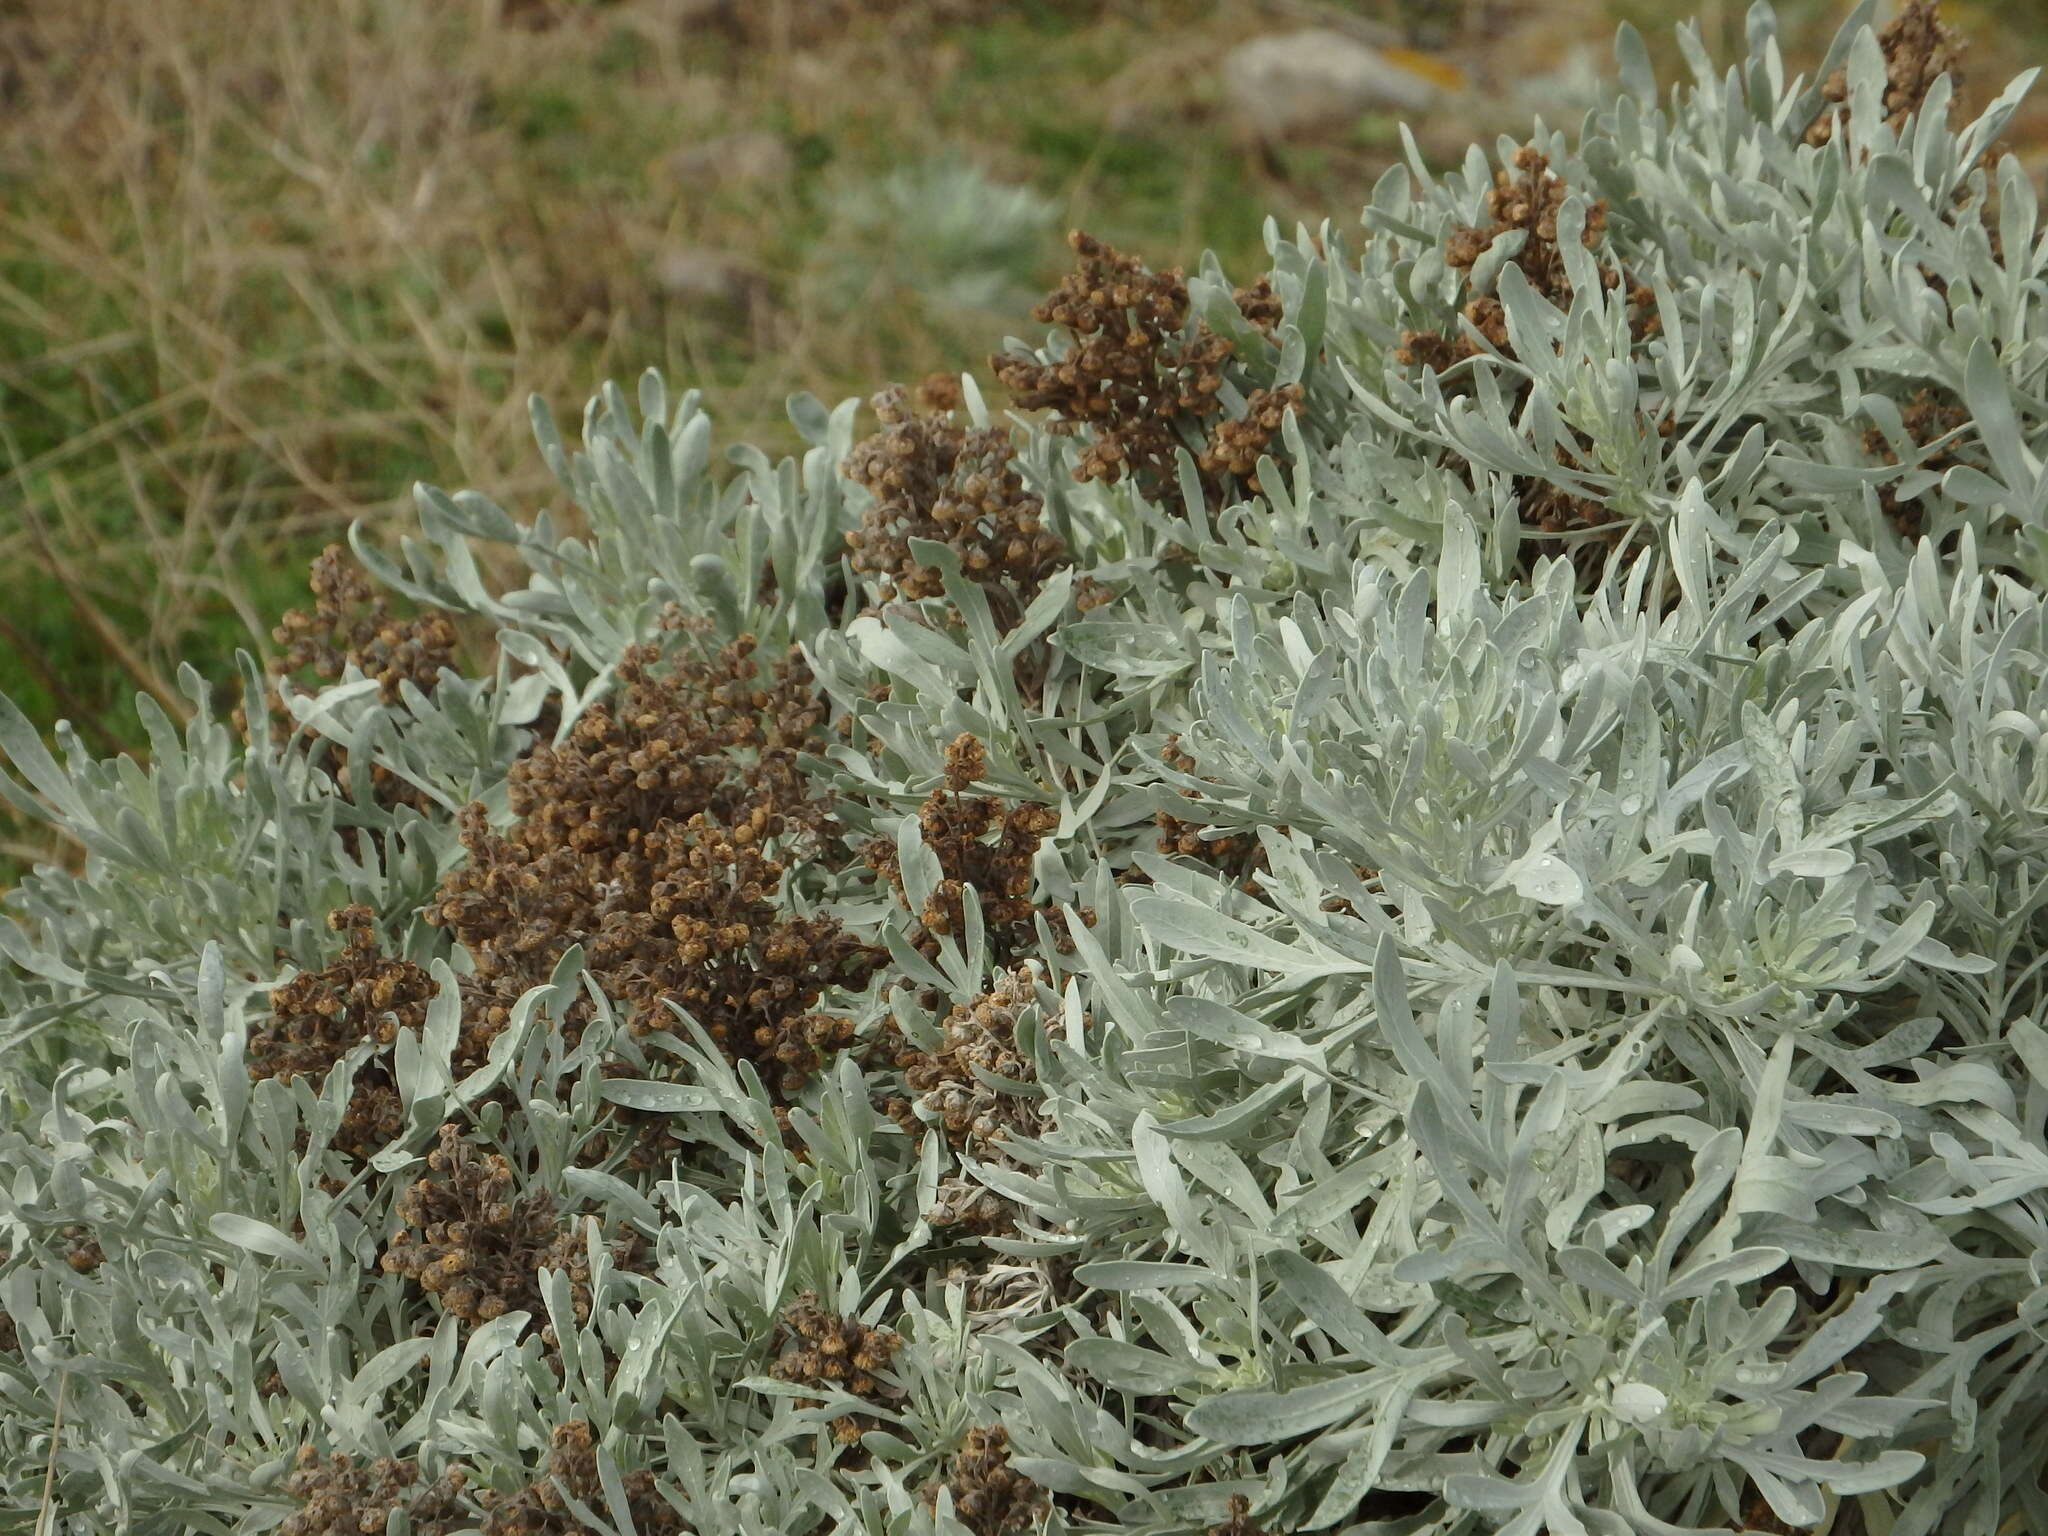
1422	911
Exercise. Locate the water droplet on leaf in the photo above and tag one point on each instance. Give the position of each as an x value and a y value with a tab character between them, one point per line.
1549	880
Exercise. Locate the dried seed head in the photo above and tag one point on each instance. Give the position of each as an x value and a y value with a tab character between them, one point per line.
823	1349
989	1497
658	836
318	1017
980	841
470	1239
1919	48
1135	375
931	479
338	1497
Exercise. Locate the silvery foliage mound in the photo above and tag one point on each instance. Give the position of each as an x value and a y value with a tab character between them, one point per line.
1617	1104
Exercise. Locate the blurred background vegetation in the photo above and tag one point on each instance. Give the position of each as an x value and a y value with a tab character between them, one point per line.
264	266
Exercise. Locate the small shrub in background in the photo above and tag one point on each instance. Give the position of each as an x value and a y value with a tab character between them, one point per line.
1421	912
942	231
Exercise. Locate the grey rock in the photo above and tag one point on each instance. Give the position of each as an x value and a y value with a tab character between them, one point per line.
705	276
1293	83
749	157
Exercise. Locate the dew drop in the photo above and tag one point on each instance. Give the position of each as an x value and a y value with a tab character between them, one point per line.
1548	880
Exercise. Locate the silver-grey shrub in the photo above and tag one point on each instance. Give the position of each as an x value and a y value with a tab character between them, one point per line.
1613	1098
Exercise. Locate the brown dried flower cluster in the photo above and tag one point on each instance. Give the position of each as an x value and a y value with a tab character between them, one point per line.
318	1017
1529	202
82	1249
1554	511
1129	373
1240	1521
1136	377
470	1239
351	623
713	941
934	479
539	1509
979	841
1758	1519
823	1349
658	836
1927	418
990	1498
1260	304
1235	446
340	1498
1239	855
973	1117
940	392
981	1034
1550	513
1918	50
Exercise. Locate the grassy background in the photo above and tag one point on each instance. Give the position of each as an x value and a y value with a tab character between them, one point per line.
264	266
